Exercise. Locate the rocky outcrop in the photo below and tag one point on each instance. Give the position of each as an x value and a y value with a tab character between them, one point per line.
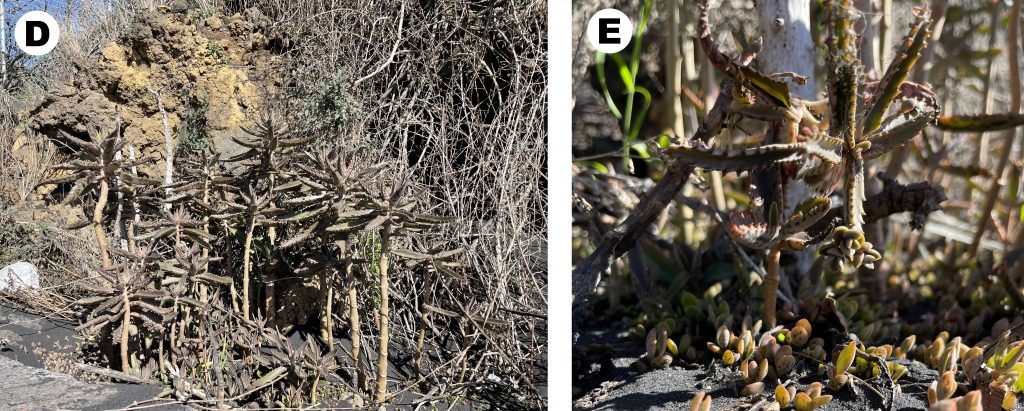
201	67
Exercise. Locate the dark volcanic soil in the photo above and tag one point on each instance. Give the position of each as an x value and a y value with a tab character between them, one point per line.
606	381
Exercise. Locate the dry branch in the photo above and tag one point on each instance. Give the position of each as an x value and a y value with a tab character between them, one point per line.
623	237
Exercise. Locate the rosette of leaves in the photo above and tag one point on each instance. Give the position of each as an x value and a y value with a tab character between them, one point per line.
127	295
837	372
183	276
93	167
271	147
174	227
322	203
248	209
203	189
295	371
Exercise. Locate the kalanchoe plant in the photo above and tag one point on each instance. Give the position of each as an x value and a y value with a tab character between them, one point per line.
810	141
124	301
94	166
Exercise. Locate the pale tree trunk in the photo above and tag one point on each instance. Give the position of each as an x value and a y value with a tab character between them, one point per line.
786	30
3	43
168	147
885	33
385	316
787	47
674	104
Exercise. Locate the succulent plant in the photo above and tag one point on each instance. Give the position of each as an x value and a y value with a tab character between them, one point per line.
969	402
806	141
807	400
657	355
700	402
837	373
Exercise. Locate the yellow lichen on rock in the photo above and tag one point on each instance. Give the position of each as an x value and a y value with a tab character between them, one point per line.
168	53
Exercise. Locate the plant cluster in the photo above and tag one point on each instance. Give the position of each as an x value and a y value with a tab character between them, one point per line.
201	257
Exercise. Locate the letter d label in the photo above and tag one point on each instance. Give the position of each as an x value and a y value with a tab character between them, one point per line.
36	33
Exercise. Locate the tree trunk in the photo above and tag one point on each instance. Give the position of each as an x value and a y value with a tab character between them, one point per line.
168	148
787	47
354	332
271	281
786	30
3	44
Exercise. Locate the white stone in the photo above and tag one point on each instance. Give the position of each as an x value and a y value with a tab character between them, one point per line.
19	276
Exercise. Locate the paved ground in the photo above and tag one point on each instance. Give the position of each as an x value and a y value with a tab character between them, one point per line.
28	388
26	385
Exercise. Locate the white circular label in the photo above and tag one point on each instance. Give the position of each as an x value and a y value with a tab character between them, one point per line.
36	33
609	31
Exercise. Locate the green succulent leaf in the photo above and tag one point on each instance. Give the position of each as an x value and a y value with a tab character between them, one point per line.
896	133
747	159
897	72
846	358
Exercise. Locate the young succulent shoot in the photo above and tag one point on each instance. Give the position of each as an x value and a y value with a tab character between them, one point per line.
800	334
807	400
969	402
943	388
753	373
700	402
657	355
784	395
837	374
733	348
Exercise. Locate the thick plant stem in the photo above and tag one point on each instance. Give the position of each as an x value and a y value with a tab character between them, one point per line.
325	309
245	265
1000	175
125	324
230	255
354	334
271	281
382	358
97	222
771	283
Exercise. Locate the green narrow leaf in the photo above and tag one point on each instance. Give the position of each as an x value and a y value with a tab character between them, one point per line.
806	214
896	134
602	81
269	378
214	279
161	233
846	358
897	72
776	89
